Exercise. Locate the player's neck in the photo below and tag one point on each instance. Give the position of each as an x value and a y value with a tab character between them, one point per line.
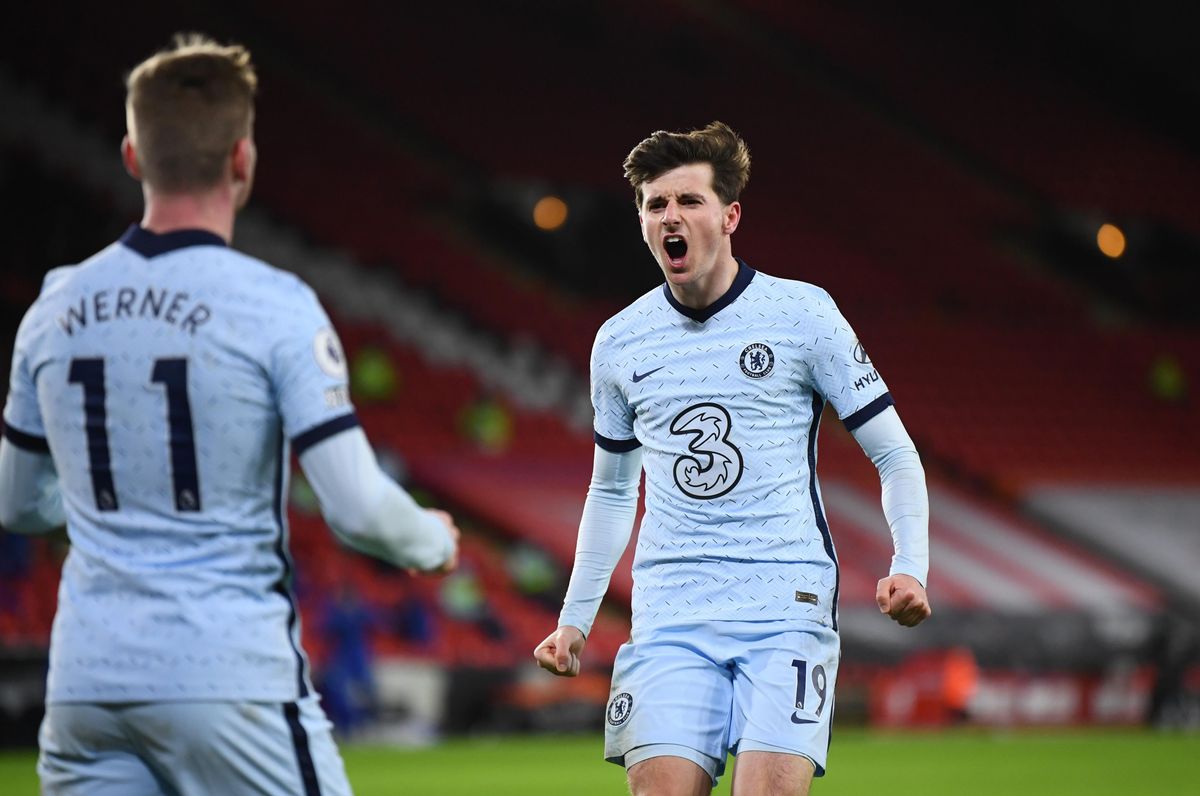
212	211
702	292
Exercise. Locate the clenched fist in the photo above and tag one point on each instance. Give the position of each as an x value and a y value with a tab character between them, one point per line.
903	598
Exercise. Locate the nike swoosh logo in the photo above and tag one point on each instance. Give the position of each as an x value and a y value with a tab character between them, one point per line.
639	376
802	721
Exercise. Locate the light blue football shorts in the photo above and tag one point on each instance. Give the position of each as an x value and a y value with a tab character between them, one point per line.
702	690
185	748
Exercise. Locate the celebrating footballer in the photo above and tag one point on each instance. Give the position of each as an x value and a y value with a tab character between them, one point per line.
715	383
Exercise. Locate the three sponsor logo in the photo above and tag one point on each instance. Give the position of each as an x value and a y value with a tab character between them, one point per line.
713	464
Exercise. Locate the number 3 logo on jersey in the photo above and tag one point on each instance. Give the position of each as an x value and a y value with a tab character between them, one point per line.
716	464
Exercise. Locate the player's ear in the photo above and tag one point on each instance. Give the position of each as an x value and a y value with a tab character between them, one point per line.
733	214
243	159
242	162
129	158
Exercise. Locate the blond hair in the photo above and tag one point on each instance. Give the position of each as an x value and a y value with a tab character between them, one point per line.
185	108
717	145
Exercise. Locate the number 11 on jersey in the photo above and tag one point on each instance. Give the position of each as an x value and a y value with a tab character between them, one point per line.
185	474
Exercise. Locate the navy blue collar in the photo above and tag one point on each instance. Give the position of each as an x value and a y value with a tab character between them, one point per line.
740	283
150	244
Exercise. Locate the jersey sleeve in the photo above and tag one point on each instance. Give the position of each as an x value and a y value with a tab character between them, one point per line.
842	372
309	373
604	530
23	424
613	417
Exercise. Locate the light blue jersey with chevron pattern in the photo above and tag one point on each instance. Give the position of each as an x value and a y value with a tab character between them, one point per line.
166	376
726	403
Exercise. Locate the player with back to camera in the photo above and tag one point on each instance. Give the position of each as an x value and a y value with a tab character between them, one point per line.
156	390
715	383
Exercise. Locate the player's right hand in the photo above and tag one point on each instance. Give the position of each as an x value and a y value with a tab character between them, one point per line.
559	653
451	563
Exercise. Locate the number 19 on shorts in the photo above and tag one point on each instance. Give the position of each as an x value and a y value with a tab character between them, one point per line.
818	681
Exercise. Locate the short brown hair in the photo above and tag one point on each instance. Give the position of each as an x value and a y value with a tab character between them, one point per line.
185	107
716	144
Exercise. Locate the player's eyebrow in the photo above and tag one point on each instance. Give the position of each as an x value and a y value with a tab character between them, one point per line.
687	196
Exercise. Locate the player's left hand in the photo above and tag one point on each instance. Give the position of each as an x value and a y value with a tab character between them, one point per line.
451	563
903	598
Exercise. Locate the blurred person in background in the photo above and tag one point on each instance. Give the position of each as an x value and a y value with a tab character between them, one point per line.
487	424
715	383
534	574
373	376
960	682
464	598
14	564
1172	650
347	678
156	390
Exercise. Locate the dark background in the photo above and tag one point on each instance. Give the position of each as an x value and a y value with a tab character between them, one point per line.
941	170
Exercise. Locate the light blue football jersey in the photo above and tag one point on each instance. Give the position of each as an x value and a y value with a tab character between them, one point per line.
726	404
168	376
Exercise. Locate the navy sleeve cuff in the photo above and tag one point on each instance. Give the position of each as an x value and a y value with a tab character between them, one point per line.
869	411
319	433
616	445
25	441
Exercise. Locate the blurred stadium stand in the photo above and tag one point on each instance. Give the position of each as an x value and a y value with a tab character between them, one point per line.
942	174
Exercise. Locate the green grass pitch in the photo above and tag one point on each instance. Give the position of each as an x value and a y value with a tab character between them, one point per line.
976	763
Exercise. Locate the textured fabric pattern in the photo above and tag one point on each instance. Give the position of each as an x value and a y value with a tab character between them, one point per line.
726	410
167	388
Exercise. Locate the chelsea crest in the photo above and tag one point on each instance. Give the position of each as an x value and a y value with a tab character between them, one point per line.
619	708
757	360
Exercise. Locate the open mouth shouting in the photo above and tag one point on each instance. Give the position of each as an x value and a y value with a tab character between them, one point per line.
676	248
